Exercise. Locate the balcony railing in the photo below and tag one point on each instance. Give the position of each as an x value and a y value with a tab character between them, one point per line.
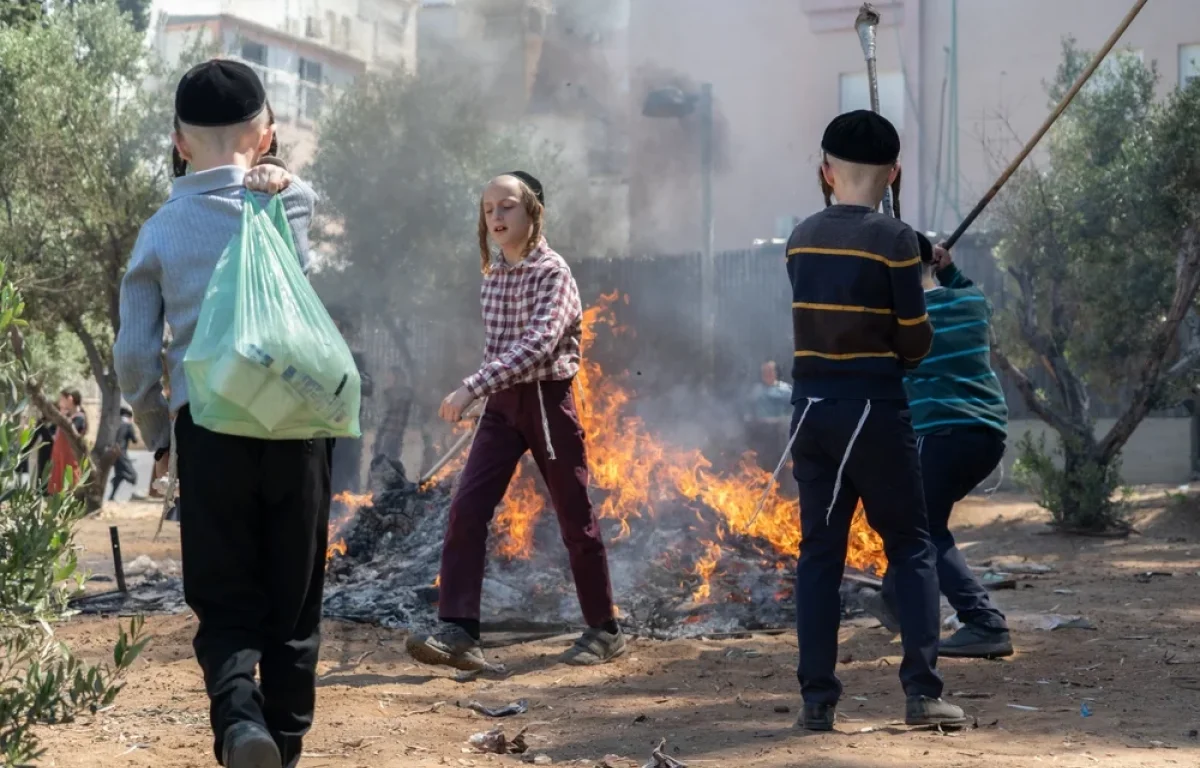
292	99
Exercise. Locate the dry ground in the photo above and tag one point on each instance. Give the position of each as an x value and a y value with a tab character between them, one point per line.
719	703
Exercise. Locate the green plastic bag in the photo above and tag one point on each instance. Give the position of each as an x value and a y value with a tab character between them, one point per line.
266	360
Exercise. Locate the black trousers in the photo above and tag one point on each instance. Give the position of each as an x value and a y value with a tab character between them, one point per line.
123	472
882	469
254	528
952	465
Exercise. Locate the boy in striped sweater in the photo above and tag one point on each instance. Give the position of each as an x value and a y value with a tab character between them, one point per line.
859	320
961	421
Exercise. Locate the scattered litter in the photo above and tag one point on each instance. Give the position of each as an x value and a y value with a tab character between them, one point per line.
994	580
859	698
972	695
1024	708
428	710
142	566
1048	622
540	760
519	707
1085	710
1021	567
782	709
1064	591
743	702
660	759
614	761
495	742
1148	576
868	729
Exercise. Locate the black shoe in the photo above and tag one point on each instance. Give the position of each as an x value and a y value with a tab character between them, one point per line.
922	710
975	642
450	646
875	604
248	745
818	717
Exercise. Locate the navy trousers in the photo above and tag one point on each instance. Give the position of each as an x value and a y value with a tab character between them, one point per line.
952	465
883	470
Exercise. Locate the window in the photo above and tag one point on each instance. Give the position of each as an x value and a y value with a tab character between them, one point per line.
331	27
283	99
855	94
1189	63
312	98
310	71
312	26
347	42
255	53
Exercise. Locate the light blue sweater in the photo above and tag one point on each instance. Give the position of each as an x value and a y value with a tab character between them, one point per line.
172	264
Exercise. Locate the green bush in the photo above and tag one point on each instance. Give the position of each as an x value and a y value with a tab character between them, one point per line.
41	682
1080	492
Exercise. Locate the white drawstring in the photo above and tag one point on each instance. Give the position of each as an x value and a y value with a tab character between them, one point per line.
837	483
1000	482
782	460
545	423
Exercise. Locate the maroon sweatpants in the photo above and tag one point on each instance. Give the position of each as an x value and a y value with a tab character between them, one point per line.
511	425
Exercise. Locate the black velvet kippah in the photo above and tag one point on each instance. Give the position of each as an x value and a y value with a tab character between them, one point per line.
532	183
862	137
926	248
219	92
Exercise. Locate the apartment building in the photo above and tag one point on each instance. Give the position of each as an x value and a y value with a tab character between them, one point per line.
962	79
302	49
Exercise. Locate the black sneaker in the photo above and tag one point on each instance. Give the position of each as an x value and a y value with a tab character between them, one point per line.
878	607
975	642
450	646
595	646
248	745
922	710
818	717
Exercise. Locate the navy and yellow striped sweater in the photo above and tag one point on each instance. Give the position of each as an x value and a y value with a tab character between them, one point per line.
858	309
955	385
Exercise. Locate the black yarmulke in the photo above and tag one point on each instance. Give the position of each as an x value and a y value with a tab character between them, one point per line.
219	92
532	183
926	248
862	137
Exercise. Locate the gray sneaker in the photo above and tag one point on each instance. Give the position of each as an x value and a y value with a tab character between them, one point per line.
878	607
449	646
595	646
248	745
922	710
975	642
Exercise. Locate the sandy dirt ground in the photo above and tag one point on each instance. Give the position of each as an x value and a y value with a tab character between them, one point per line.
1125	694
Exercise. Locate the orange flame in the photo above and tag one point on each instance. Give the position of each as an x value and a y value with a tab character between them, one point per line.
349	504
636	470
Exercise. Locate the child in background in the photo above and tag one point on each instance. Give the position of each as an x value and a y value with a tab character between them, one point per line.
254	528
533	319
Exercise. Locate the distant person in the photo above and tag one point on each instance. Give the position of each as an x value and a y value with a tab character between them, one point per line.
62	452
533	321
961	420
859	321
255	526
397	408
347	451
38	450
768	411
123	469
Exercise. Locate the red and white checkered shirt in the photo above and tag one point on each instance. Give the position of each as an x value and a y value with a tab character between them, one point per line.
533	321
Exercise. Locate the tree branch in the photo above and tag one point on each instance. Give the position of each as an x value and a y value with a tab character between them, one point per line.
1029	393
1187	271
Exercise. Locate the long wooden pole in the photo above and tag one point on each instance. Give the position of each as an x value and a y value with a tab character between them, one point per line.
1037	137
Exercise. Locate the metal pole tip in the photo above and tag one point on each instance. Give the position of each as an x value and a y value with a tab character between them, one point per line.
867	15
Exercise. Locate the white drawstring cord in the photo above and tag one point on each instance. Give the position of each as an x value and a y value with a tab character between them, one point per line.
782	460
545	423
837	483
1000	482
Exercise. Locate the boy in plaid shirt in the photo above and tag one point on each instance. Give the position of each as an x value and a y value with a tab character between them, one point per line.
533	320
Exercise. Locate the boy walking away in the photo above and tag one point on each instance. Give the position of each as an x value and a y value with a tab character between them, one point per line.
254	527
859	320
961	421
123	470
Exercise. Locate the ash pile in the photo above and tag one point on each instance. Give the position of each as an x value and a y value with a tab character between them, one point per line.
670	577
